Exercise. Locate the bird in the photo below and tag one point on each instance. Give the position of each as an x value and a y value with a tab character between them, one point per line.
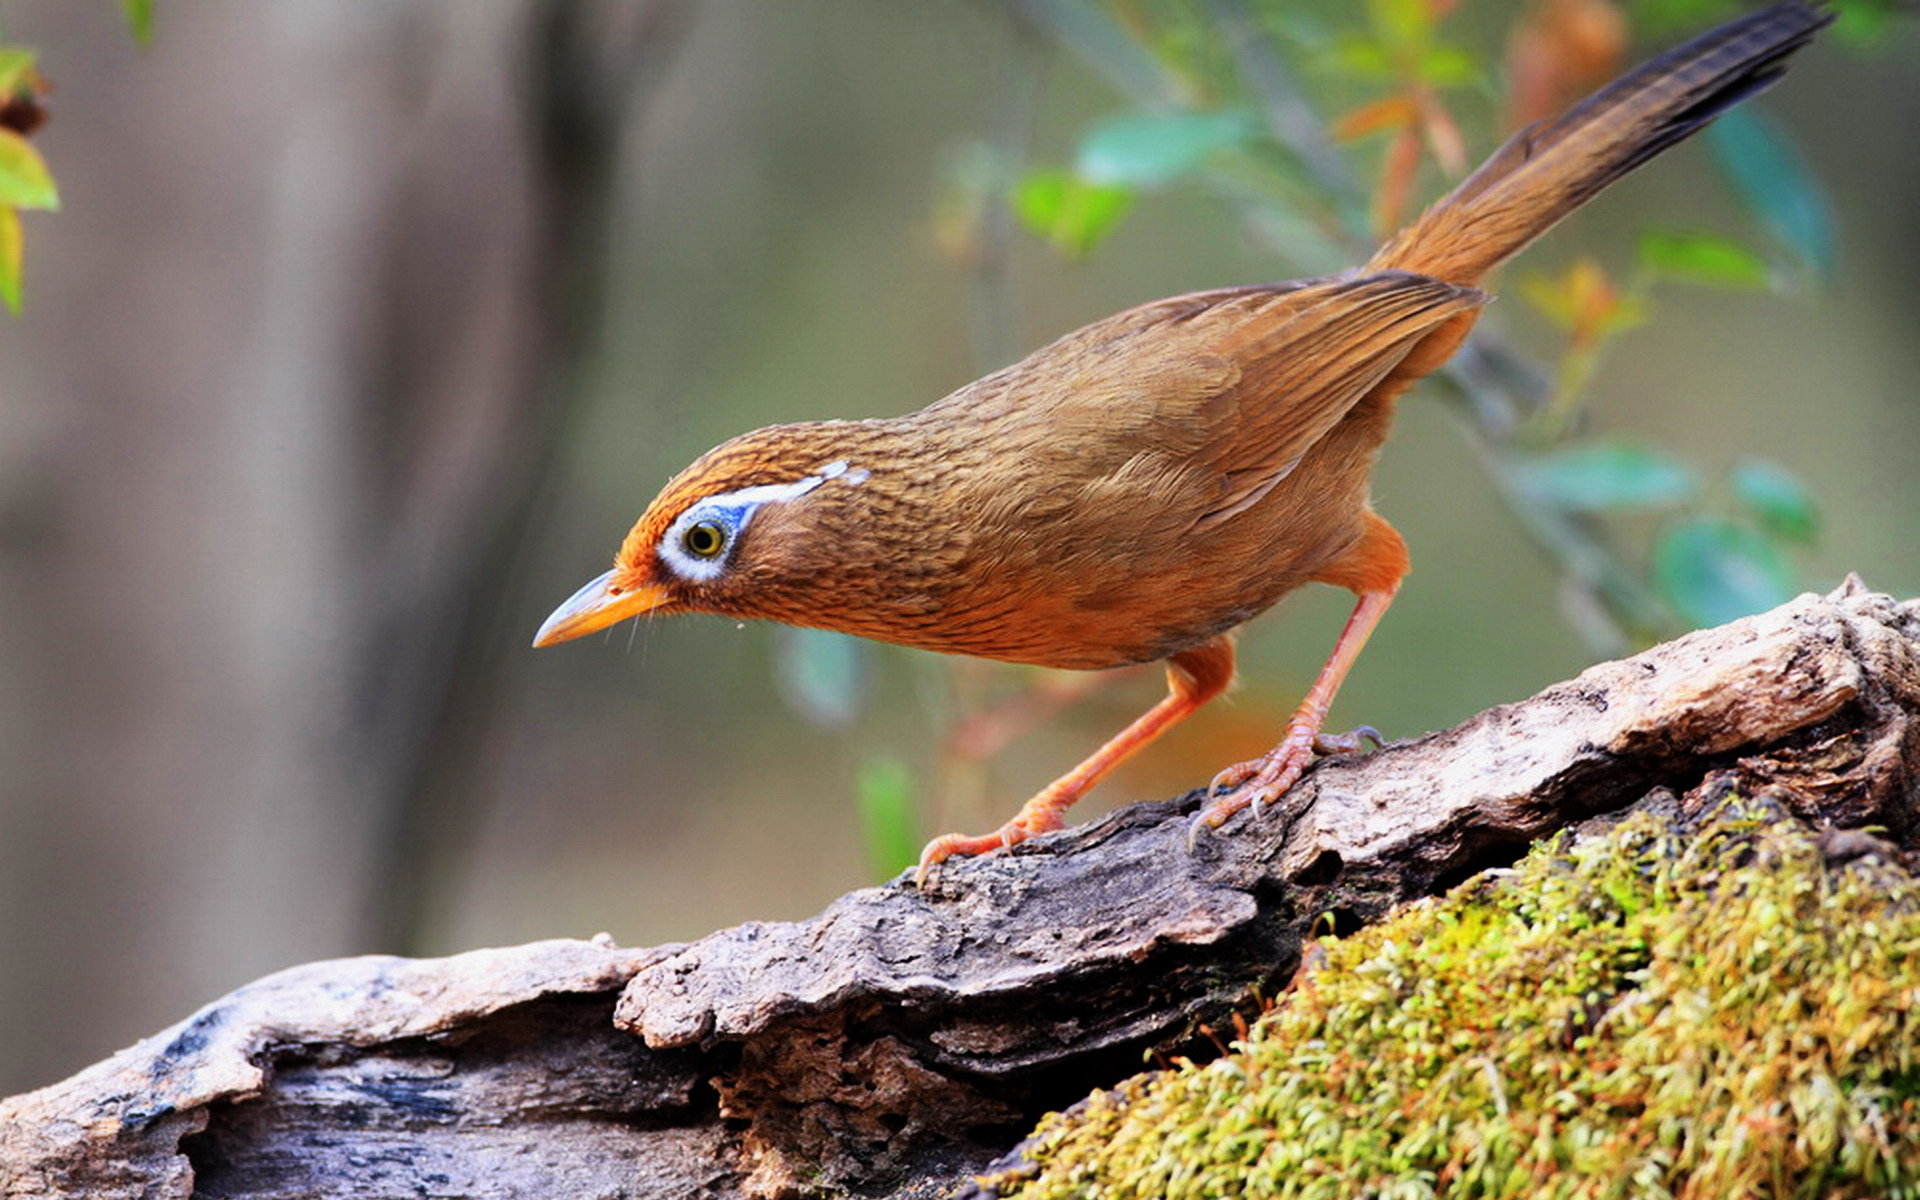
1138	489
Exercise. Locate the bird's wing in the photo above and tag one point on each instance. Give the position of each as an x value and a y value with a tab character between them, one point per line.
1304	358
1221	390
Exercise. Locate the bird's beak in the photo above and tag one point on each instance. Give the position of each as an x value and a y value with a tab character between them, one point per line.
601	603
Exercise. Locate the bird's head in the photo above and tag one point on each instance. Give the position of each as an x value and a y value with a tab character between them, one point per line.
730	534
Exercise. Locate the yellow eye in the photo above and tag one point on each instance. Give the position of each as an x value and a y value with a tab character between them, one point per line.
705	539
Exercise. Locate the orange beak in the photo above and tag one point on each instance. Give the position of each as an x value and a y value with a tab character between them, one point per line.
601	603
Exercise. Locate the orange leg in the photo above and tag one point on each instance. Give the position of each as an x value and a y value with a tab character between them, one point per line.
1373	570
1193	677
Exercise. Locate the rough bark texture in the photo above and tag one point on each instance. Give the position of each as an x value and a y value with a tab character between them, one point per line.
901	1039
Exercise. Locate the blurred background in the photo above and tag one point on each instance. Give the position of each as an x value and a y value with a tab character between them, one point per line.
366	330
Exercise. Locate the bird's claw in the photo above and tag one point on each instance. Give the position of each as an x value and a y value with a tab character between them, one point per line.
1232	777
940	849
1257	784
1325	744
1205	821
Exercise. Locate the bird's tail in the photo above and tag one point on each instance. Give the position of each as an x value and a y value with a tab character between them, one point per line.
1552	167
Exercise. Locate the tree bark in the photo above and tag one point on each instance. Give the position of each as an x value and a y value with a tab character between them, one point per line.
904	1038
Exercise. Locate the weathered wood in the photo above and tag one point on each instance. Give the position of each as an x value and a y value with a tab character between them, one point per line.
902	1038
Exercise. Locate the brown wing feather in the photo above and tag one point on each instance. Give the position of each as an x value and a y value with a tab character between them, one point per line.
1204	401
1305	363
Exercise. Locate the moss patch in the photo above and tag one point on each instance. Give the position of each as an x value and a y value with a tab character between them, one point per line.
1642	1012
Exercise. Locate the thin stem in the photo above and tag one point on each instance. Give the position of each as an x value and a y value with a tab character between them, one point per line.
1586	560
990	305
1100	40
1290	118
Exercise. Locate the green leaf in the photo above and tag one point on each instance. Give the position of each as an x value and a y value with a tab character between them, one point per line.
1402	22
822	675
139	14
1607	476
1687	15
1702	258
1361	57
1777	499
1863	22
889	822
1144	149
25	181
1069	212
1449	67
1775	185
1713	571
10	260
14	65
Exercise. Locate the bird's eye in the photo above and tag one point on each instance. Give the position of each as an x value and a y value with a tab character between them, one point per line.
704	539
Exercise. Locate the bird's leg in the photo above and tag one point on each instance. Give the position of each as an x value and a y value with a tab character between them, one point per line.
1266	778
1373	570
1193	677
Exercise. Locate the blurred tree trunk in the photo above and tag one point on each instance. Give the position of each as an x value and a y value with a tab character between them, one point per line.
339	388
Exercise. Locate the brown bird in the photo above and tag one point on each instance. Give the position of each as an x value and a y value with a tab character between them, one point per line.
1141	487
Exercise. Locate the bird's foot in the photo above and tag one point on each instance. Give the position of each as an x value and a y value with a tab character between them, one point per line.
1025	825
1261	781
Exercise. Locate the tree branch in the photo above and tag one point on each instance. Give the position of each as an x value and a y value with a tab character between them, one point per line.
901	1039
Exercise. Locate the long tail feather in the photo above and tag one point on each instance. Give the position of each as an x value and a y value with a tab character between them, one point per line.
1550	168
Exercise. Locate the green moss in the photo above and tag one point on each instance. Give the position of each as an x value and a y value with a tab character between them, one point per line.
1638	1013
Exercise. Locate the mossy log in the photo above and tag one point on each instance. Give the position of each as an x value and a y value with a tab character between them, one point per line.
903	1041
1704	998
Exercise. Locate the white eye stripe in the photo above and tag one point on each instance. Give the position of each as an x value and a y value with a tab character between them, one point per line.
765	493
835	470
732	511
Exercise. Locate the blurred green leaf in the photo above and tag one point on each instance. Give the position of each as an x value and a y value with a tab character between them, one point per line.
889	824
1449	67
1143	149
1713	571
1702	258
1069	212
1777	499
139	14
25	181
822	675
14	65
1362	57
1863	22
1774	184
10	248
1607	476
1689	15
1401	22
